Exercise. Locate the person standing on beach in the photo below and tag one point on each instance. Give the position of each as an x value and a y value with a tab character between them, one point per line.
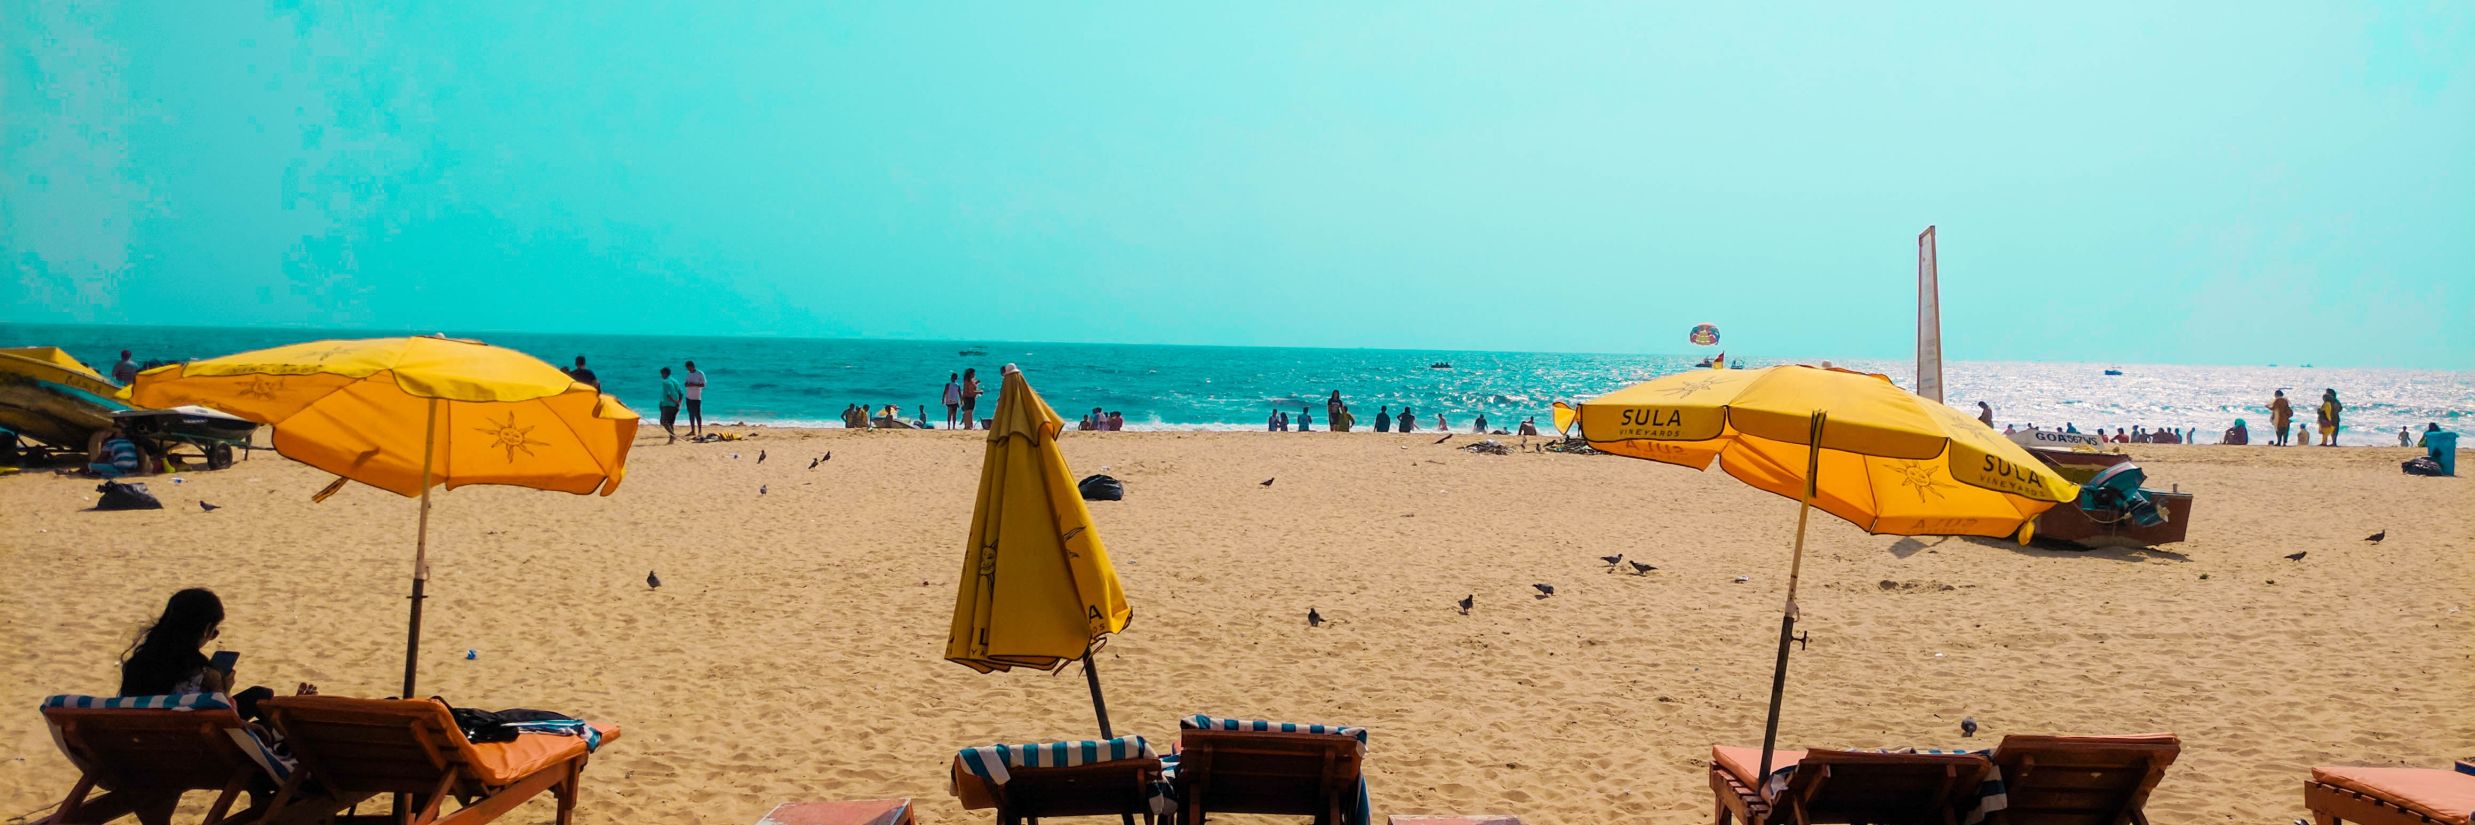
1441	425
695	399
971	399
1480	428
1336	413
1383	420
1306	419
672	394
2281	416
953	397
2329	410
584	375
126	371
1985	413
2405	438
1405	422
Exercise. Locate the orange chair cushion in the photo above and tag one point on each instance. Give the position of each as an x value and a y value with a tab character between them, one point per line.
505	763
1746	763
2446	796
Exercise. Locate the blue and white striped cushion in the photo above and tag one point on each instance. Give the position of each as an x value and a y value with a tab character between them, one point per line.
991	761
275	765
1201	722
1362	814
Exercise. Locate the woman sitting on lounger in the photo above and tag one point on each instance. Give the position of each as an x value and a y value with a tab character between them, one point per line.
167	657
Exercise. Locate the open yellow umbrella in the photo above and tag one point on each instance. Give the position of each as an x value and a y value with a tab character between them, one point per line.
1037	589
408	414
1850	443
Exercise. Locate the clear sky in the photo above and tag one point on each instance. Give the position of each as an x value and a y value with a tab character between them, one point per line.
2137	182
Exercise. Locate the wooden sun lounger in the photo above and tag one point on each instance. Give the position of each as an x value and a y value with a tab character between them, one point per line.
413	749
1846	786
2389	796
1267	772
145	759
1119	787
2081	780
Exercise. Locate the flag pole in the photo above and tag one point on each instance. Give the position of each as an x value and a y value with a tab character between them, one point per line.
1787	615
421	550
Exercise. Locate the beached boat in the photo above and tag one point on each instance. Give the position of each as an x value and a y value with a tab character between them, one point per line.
51	397
2161	517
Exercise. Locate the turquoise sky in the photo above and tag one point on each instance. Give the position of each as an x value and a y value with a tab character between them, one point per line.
2137	182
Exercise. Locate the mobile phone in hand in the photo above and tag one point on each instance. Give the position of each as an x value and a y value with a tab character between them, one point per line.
223	660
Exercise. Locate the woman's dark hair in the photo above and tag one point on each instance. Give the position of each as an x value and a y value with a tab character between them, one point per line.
167	651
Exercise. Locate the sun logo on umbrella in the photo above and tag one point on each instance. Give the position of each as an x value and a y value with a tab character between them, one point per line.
262	389
507	434
1697	386
1921	477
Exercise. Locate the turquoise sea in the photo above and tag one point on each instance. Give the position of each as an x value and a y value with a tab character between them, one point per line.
808	381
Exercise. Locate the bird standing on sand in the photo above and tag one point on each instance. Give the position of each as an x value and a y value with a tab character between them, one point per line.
760	456
1968	726
653	581
1612	561
812	462
1267	482
829	456
1313	619
2297	555
1544	590
209	507
1468	602
2376	538
760	489
1640	569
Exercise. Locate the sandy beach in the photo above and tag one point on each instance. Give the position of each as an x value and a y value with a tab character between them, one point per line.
794	652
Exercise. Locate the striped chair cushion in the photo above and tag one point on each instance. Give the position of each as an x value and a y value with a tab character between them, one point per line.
276	765
989	762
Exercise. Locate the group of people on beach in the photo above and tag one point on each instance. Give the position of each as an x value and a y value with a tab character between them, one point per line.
675	394
2282	414
1104	422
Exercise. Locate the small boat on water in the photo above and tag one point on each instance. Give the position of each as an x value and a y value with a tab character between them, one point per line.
2113	372
1440	365
974	351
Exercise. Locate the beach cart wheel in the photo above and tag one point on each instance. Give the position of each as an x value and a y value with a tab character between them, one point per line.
218	456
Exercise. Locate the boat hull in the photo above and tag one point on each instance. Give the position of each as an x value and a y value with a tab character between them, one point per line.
2107	528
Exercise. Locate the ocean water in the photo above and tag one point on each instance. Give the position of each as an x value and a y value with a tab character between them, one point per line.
808	381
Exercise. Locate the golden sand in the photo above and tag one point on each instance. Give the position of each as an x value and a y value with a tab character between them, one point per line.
794	651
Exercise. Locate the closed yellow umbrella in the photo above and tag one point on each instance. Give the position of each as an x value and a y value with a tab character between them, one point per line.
1037	589
408	414
1850	443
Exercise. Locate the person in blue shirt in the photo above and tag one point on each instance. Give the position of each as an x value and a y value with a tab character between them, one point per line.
672	393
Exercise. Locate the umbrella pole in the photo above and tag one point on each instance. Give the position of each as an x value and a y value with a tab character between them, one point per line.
1787	615
1091	675
421	550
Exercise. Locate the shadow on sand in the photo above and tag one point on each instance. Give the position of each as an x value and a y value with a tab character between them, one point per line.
1910	546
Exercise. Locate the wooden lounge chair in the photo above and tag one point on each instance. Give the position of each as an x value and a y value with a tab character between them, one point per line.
413	749
2389	796
2081	780
1300	771
1027	783
146	751
1846	786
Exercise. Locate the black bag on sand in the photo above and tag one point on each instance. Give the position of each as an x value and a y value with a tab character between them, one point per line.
2421	466
118	496
1101	488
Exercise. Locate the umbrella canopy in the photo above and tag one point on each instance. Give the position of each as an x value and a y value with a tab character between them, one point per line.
1037	589
358	409
1890	461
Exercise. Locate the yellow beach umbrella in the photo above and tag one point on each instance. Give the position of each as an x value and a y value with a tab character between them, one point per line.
408	414
1852	444
1037	589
